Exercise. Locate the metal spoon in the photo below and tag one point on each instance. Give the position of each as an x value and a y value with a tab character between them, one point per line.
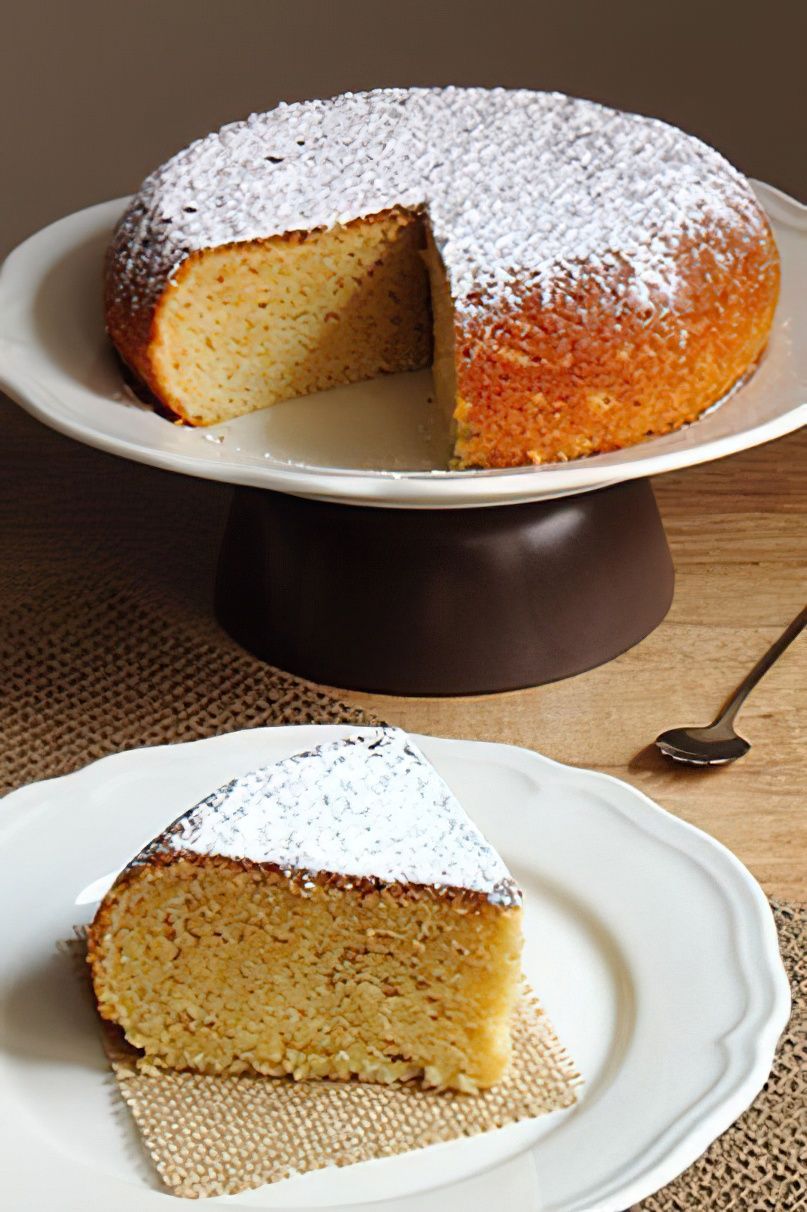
719	743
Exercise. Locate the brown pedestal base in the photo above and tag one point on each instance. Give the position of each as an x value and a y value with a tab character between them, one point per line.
443	602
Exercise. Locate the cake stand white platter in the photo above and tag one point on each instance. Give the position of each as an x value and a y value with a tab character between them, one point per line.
653	950
372	443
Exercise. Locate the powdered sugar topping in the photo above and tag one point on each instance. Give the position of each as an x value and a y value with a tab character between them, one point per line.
524	190
370	806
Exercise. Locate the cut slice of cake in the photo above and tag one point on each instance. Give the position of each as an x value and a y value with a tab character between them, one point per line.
334	915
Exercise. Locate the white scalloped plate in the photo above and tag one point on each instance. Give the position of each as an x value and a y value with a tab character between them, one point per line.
653	949
370	443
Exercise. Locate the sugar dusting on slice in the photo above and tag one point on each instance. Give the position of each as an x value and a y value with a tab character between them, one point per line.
524	190
369	806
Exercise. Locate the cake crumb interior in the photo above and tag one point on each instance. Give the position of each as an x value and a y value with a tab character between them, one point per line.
223	968
248	325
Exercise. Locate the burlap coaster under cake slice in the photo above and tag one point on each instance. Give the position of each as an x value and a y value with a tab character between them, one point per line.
221	1135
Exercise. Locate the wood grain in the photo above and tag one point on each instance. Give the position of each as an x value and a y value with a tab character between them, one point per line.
738	533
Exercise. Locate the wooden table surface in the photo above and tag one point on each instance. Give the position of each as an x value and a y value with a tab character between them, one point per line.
738	533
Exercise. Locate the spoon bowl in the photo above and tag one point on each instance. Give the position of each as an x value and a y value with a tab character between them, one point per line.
712	746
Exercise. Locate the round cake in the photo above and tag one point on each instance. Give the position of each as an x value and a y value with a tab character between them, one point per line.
579	278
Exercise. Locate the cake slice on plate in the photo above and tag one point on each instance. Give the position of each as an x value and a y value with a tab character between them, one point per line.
336	914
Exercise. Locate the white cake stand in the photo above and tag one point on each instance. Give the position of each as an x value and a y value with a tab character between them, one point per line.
314	578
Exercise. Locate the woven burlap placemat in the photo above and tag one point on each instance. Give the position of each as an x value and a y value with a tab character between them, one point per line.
221	1135
109	642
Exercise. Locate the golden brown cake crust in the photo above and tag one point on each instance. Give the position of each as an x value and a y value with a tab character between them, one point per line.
588	375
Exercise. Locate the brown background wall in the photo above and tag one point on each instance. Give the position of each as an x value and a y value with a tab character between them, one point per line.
94	93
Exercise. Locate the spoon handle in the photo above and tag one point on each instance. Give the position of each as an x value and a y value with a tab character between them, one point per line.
762	666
